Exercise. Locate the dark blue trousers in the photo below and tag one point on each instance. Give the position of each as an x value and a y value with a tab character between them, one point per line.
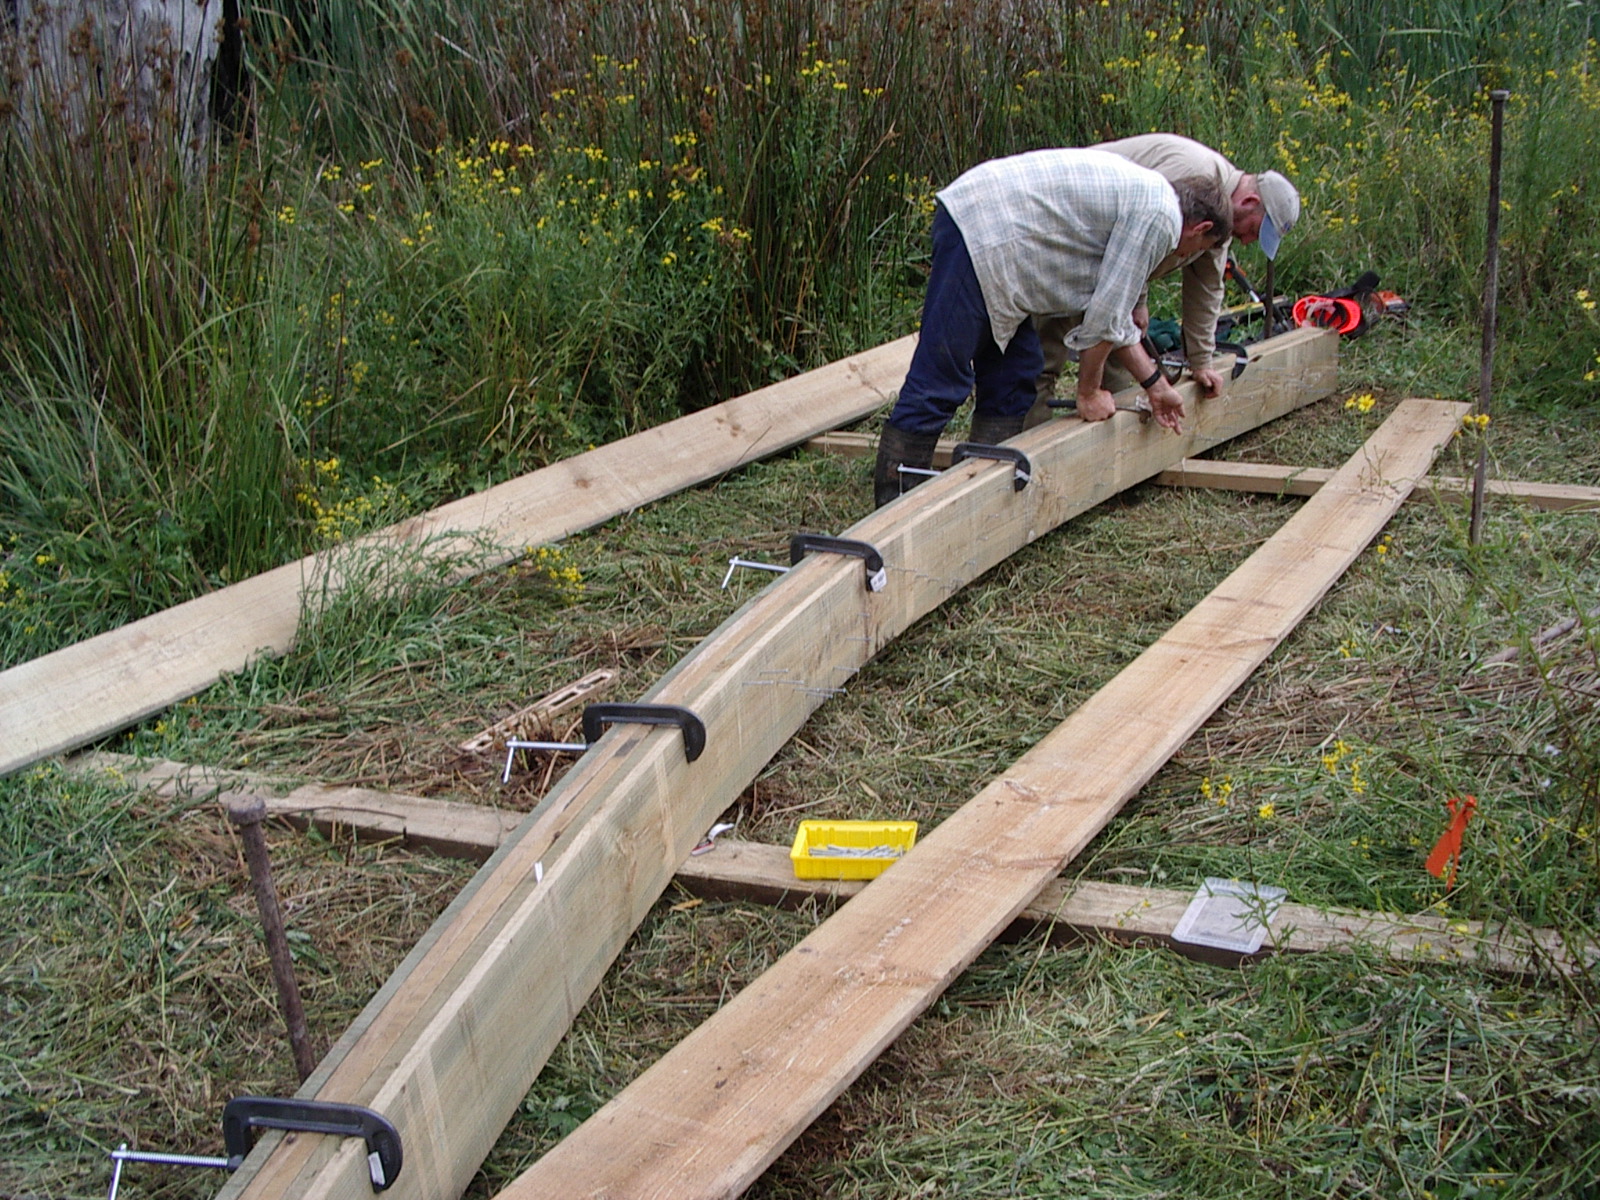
956	353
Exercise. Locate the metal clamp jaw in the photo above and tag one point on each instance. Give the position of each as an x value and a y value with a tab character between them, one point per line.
597	716
1023	474
1241	356
245	1113
877	576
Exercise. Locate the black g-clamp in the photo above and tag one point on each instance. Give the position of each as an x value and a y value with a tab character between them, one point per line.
694	729
1024	469
877	577
244	1113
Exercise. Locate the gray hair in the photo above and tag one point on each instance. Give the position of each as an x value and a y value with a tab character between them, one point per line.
1201	198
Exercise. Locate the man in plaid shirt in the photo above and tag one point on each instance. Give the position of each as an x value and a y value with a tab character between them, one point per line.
1048	232
1265	207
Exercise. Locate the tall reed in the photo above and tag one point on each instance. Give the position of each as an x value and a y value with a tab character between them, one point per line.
448	243
143	457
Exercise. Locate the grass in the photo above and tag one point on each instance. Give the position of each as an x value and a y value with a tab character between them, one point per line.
427	263
137	991
432	264
1088	1070
1126	1077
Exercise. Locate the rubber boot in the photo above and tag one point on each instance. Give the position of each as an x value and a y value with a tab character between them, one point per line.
991	430
897	448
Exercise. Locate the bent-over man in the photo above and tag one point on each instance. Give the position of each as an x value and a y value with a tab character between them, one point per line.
1265	206
1050	232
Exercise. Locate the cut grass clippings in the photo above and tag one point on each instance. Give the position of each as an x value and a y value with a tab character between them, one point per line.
137	994
1079	1071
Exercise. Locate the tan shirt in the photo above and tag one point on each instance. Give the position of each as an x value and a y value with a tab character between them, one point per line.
1173	157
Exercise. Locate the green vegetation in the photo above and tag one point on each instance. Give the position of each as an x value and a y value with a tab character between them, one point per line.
428	261
1089	1070
135	988
454	245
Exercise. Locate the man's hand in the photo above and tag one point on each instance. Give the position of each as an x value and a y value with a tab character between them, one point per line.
1098	405
1141	317
1210	381
1165	403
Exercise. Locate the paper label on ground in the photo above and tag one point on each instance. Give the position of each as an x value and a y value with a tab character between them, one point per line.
1229	914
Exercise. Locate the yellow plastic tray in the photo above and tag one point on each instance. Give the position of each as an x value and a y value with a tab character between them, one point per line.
899	835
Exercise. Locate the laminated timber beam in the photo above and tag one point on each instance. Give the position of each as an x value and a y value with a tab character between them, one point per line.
754	872
67	698
449	1047
718	1108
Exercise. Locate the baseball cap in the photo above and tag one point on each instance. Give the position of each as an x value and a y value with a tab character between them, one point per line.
1282	205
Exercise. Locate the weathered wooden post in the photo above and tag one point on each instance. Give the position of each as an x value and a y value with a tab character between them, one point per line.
148	61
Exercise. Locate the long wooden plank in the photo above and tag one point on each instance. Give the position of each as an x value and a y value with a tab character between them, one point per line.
1304	481
450	828
852	443
719	1107
751	871
760	873
1270	478
67	698
450	1052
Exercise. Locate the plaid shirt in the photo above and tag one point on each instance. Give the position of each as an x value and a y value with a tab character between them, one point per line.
1056	232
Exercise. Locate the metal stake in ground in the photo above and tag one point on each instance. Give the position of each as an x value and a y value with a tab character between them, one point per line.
246	812
1491	304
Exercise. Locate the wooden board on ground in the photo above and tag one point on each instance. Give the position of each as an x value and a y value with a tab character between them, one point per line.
711	1115
449	1049
65	699
849	443
532	723
751	871
419	822
1304	481
763	874
1270	478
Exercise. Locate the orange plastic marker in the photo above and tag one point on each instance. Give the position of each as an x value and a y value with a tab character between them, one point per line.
1448	848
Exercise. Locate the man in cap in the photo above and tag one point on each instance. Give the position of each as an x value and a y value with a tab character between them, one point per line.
1265	207
1050	231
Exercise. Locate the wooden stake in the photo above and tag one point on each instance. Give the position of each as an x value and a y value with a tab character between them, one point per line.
246	813
1491	307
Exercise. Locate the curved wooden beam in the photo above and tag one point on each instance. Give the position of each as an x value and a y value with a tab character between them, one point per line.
451	1046
712	1114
